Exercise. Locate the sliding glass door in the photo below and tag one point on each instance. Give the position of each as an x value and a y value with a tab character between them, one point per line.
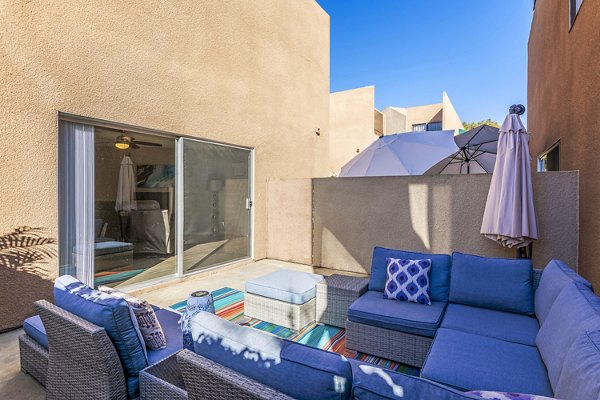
216	204
137	206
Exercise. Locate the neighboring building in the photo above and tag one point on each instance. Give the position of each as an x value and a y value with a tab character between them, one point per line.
73	76
354	124
563	108
432	117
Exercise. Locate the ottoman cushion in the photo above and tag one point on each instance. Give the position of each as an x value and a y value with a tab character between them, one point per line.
288	286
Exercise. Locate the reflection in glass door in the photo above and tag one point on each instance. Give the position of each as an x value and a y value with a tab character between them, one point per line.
216	204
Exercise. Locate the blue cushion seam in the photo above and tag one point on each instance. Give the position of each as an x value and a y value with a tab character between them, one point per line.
393	319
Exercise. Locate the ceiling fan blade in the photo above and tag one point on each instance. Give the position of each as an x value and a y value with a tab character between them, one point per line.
133	145
148	143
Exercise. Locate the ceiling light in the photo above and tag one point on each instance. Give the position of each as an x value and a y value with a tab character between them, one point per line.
122	145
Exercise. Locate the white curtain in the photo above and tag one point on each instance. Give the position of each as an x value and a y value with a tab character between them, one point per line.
76	200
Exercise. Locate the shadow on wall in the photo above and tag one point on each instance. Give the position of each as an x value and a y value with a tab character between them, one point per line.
23	279
437	214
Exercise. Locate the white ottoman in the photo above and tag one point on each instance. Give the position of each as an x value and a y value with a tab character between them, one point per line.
283	297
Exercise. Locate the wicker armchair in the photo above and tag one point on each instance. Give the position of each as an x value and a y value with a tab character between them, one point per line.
395	345
82	361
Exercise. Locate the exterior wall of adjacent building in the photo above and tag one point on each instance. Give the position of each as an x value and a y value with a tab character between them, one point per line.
450	119
402	119
253	74
352	125
563	93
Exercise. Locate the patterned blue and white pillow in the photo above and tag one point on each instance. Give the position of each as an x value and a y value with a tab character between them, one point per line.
408	280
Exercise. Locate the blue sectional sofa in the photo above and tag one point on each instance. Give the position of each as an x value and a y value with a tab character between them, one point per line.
489	327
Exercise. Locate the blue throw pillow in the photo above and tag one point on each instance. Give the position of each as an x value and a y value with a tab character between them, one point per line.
504	284
408	280
114	315
439	276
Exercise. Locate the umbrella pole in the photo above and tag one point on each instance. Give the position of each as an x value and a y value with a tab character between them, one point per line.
525	252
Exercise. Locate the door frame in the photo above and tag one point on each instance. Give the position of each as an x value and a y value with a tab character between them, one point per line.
179	185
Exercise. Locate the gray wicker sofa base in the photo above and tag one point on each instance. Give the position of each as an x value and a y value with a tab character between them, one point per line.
386	343
34	358
187	375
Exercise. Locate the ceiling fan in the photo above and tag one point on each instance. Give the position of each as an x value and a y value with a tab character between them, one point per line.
124	142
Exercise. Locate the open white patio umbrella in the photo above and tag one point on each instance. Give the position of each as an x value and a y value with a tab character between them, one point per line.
509	216
410	153
476	154
126	189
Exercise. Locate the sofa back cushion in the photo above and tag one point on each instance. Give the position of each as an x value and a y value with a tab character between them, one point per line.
580	376
114	315
439	276
554	278
370	382
299	371
575	311
494	283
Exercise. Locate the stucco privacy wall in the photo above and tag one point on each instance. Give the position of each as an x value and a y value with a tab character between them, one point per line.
289	220
248	73
438	214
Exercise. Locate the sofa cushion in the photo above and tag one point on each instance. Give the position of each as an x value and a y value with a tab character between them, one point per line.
372	309
495	283
35	329
473	362
408	280
169	321
369	382
111	313
580	377
299	371
575	311
486	394
289	286
517	328
439	277
554	278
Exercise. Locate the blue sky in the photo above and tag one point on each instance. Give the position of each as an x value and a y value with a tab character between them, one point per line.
412	50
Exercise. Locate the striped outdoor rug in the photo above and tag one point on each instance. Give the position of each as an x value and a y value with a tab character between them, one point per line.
229	304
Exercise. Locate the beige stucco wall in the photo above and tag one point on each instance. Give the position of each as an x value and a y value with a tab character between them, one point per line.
423	115
395	120
450	119
351	125
563	92
402	119
249	73
432	214
289	220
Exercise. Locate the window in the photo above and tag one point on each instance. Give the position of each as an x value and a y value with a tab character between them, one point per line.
419	127
432	126
574	6
550	159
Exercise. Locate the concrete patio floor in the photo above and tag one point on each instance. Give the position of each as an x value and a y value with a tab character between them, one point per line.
18	386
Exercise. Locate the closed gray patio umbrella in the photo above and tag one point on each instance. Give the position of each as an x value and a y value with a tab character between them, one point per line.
509	216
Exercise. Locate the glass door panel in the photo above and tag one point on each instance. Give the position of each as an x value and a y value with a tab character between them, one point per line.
216	204
134	208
